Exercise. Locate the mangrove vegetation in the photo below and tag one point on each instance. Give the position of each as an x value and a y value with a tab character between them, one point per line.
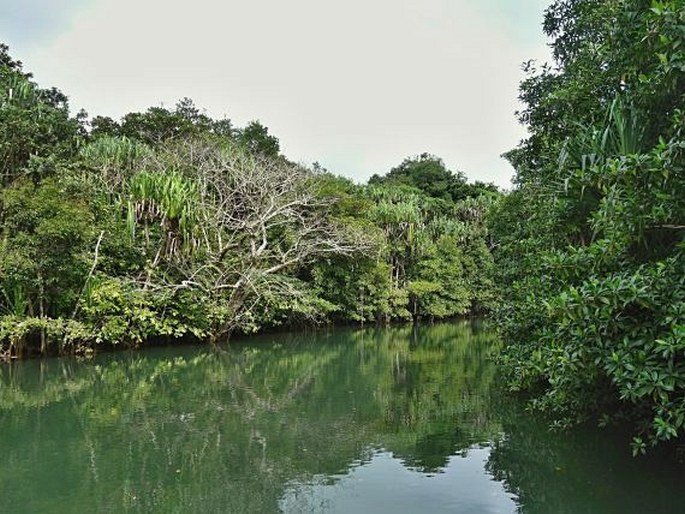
168	225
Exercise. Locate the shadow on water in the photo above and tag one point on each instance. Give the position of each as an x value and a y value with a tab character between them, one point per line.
585	470
308	422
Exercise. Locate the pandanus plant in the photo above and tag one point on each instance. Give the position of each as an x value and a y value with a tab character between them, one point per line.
115	158
14	301
622	135
443	225
18	98
169	199
401	222
20	91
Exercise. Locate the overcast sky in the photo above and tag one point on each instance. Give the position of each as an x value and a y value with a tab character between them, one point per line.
357	85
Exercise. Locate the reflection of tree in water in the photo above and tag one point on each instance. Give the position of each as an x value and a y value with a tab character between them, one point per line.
179	430
586	470
440	403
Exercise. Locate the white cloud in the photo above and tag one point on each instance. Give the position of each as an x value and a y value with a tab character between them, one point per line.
357	85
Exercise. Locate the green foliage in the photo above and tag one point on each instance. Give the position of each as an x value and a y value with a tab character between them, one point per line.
433	259
159	124
428	174
47	235
590	245
114	154
256	138
360	289
21	336
118	312
170	199
168	225
35	127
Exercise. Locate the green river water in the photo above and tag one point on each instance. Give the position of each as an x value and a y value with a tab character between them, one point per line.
405	419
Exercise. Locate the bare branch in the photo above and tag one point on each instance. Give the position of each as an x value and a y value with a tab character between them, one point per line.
256	218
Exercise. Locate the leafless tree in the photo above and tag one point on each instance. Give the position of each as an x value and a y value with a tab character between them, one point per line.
254	222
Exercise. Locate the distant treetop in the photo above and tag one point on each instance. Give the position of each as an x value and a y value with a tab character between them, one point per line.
429	174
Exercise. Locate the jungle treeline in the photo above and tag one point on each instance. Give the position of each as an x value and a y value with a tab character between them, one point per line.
590	257
168	224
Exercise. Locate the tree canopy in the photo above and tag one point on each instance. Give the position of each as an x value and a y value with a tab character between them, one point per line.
590	244
169	224
428	174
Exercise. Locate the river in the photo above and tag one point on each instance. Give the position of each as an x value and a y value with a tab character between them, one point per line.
403	419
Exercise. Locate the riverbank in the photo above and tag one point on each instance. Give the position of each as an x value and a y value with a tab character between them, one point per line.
35	337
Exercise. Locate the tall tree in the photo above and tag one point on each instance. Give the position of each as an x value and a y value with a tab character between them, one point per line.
36	130
256	138
591	242
231	226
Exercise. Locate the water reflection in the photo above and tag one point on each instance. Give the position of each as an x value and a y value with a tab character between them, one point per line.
582	471
385	485
345	420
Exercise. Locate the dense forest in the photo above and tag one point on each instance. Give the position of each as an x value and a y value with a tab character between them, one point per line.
590	243
170	225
